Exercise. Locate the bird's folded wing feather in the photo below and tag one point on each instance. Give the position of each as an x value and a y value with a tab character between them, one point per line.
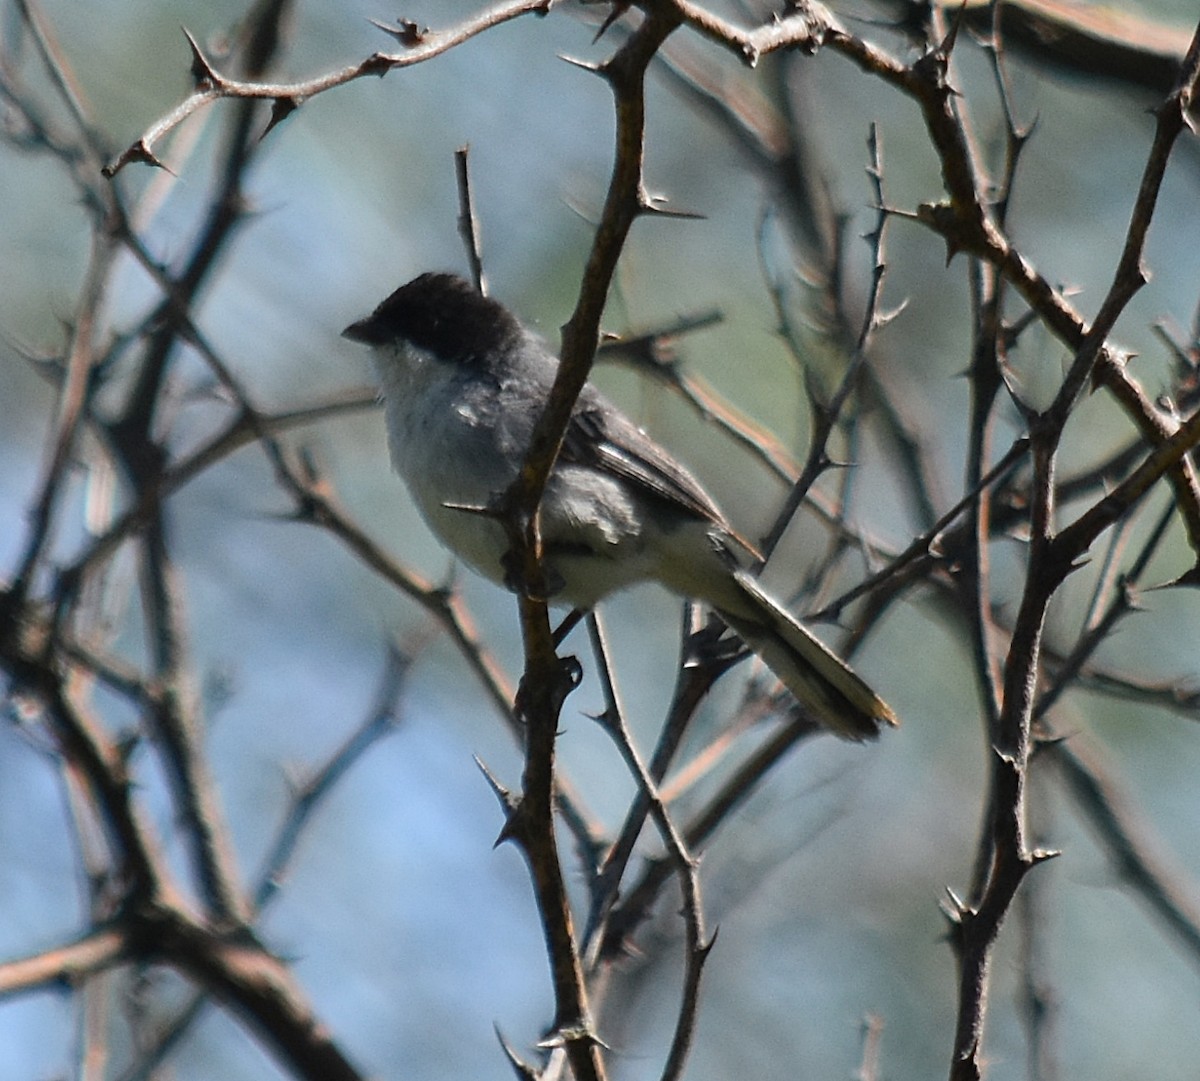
607	441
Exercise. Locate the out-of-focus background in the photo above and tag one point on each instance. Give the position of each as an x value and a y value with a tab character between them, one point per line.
413	936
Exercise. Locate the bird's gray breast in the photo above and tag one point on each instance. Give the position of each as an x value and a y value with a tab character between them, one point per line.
455	452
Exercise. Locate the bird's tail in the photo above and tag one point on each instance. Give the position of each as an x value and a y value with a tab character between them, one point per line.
821	681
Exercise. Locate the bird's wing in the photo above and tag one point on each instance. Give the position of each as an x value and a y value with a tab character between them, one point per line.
605	440
600	437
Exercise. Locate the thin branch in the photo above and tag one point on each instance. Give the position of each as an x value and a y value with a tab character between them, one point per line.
71	409
61	75
381	720
826	414
212	86
966	225
1108	811
1131	273
1077	538
468	221
547	680
1096	630
697	671
638	898
925	548
651	354
67	965
174	720
698	945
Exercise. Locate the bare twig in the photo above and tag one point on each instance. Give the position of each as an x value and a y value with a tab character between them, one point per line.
698	944
637	899
869	1069
71	407
826	413
546	682
651	354
1108	811
468	223
212	86
381	719
99	949
694	680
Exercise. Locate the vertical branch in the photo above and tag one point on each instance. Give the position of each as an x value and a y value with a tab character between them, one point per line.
174	719
1004	857
827	414
547	680
1131	274
989	342
72	402
1037	999
468	222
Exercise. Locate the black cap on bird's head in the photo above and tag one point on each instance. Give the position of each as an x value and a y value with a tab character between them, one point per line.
443	314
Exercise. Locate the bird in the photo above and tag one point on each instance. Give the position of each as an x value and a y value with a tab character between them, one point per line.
464	383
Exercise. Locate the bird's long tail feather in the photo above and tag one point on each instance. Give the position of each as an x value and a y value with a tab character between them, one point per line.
822	682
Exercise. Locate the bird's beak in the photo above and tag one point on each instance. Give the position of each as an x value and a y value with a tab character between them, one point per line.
363	331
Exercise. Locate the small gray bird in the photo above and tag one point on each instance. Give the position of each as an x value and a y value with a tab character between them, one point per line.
464	384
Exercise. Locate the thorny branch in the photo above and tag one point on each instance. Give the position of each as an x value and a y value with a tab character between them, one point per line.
547	679
286	98
684	864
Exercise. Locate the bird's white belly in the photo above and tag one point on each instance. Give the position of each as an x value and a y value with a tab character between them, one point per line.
452	489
